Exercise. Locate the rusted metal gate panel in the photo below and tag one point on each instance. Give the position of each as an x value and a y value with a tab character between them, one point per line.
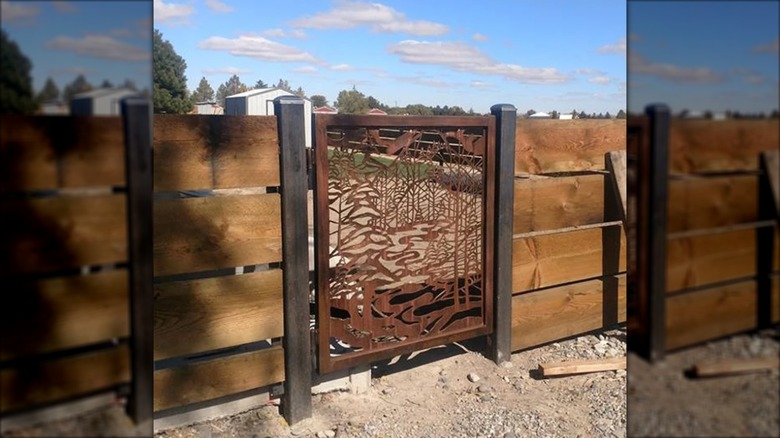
403	235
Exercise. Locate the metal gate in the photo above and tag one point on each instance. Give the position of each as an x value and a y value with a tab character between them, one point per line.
404	211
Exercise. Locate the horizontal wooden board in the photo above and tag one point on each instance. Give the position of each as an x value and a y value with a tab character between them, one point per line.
701	260
560	312
216	378
55	380
712	202
53	314
551	203
48	234
720	145
200	234
544	146
711	313
43	152
201	315
552	259
215	152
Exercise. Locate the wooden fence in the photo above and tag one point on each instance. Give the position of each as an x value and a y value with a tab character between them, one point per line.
718	272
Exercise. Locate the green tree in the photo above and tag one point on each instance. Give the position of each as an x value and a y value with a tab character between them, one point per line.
299	92
284	85
16	89
607	115
129	84
79	85
554	115
621	115
49	92
261	84
204	92
229	88
352	102
169	92
529	113
318	100
106	84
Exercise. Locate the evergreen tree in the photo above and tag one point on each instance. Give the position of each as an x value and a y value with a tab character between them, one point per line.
621	115
106	84
49	92
79	85
261	84
129	84
16	89
229	88
169	92
204	92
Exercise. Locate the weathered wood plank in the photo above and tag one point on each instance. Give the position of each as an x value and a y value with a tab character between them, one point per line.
48	234
544	146
560	312
711	313
201	315
553	259
58	379
42	152
216	378
770	164
617	162
48	315
566	367
215	152
200	234
552	203
712	202
723	367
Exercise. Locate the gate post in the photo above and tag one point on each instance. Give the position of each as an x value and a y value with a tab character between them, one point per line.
506	123
291	127
137	116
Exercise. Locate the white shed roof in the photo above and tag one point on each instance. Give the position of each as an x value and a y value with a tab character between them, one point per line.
104	92
539	115
258	91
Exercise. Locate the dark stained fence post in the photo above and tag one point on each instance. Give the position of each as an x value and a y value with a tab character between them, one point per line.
506	123
769	209
291	123
659	117
138	150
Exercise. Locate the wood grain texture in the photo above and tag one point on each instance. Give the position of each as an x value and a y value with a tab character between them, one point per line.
715	145
201	315
200	234
582	366
701	260
54	380
216	378
552	203
711	313
552	259
53	314
215	152
43	152
617	162
48	234
560	312
711	202
722	367
544	146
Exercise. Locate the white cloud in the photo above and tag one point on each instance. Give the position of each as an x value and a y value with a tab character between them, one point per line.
481	85
603	80
463	57
17	12
258	48
771	48
342	67
173	13
224	71
619	47
281	33
100	46
306	69
588	71
426	81
479	37
218	7
701	75
376	16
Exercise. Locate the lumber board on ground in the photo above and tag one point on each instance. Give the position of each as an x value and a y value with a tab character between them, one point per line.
215	152
551	203
557	313
53	380
41	152
582	366
699	316
200	234
552	259
216	378
62	232
52	314
722	367
712	202
201	315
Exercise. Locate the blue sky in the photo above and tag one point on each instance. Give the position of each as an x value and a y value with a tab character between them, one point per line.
536	54
102	40
714	55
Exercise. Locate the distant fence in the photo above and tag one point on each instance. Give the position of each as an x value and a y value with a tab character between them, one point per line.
716	273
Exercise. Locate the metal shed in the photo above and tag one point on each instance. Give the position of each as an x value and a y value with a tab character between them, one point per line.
260	102
100	102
